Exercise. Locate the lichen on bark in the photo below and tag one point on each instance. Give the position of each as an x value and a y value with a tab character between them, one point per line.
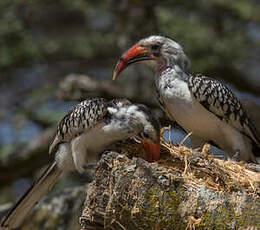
134	194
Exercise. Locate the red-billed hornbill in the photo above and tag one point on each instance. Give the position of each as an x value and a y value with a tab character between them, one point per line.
82	135
199	104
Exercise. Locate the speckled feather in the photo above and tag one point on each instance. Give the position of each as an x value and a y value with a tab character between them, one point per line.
219	99
82	118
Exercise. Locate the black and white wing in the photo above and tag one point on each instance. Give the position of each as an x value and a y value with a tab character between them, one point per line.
81	118
219	100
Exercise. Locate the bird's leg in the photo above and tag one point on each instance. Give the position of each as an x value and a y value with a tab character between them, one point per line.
236	156
170	135
185	138
93	165
196	142
79	154
90	166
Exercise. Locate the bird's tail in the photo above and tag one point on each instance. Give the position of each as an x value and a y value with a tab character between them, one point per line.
38	189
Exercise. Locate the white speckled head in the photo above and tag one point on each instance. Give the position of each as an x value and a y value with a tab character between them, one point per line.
165	51
160	40
136	119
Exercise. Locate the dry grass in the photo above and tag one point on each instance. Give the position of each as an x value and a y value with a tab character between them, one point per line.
200	167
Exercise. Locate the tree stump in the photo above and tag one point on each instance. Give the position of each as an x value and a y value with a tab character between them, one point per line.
185	190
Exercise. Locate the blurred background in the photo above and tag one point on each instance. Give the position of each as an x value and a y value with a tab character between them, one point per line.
56	53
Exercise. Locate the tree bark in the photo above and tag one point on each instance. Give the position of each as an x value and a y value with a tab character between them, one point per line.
186	192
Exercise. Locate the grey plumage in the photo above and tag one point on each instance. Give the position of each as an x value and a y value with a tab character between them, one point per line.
81	136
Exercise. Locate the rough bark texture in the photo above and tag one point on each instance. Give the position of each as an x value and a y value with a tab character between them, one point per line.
133	194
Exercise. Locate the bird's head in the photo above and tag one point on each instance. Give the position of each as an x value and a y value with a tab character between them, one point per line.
163	51
150	135
137	120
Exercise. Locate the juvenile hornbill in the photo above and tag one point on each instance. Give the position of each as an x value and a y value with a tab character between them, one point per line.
81	137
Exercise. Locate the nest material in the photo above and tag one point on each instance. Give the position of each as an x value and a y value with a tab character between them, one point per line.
202	168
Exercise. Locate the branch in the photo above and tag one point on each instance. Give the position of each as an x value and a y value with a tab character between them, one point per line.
80	87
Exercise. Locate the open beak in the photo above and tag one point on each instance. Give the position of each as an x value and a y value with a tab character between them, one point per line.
152	150
135	54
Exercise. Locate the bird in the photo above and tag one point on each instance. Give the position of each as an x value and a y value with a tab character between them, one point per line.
81	136
201	105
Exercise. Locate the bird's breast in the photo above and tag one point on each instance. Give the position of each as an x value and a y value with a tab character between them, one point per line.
175	91
96	139
184	108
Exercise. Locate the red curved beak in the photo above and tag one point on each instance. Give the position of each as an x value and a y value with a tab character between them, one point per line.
152	150
135	54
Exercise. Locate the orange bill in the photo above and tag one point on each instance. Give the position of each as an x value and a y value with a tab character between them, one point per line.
152	150
135	54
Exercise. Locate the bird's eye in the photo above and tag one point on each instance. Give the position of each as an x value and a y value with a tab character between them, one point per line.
155	47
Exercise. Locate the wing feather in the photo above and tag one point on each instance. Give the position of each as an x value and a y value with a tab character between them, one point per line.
79	119
219	100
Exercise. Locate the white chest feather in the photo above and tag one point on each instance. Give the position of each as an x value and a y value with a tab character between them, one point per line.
95	140
174	92
175	89
87	147
183	107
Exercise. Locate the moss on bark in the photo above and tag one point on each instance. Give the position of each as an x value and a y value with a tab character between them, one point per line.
133	194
